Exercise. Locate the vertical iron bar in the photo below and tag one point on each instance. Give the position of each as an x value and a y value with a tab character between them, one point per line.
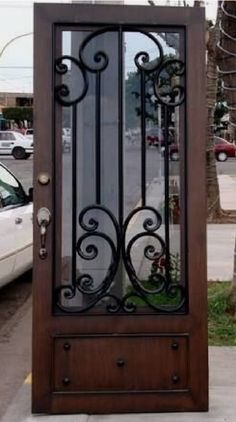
120	127
74	191
143	138
98	138
167	208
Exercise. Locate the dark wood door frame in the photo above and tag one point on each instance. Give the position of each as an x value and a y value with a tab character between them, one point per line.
52	333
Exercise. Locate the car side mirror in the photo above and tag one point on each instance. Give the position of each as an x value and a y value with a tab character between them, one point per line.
30	194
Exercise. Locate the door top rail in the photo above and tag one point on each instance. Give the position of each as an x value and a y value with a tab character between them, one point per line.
77	13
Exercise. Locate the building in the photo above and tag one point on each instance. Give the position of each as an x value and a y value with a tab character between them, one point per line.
15	99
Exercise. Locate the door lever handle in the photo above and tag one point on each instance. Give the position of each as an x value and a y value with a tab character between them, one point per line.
43	219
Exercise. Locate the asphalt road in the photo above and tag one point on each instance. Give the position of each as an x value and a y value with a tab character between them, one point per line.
23	169
14	298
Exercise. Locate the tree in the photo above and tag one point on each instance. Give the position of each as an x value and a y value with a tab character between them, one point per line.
227	70
227	62
131	100
18	114
213	194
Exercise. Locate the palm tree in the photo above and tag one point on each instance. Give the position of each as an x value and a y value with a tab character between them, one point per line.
227	71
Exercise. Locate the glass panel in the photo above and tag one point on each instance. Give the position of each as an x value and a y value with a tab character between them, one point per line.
120	237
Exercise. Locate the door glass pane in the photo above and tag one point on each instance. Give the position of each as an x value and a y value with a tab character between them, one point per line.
121	97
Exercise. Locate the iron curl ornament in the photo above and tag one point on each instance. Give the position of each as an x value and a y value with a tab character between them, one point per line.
139	291
99	61
158	292
168	91
62	91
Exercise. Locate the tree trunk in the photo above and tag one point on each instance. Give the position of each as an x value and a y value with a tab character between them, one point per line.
213	195
228	73
228	60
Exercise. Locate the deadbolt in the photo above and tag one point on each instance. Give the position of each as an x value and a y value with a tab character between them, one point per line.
43	178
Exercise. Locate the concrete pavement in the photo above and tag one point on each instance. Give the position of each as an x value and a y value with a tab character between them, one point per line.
221	237
222	362
222	399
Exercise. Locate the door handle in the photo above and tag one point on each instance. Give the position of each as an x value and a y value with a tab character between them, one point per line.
43	219
18	220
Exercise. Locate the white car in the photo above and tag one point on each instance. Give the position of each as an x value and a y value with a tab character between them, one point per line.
16	144
66	139
29	133
16	227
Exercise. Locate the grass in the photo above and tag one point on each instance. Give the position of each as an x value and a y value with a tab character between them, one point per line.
221	324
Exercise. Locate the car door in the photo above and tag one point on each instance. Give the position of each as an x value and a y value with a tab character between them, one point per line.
23	235
7	257
15	228
6	142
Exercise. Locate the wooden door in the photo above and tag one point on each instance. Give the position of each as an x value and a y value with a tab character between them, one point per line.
120	307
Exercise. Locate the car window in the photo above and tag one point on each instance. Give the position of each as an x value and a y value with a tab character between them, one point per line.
10	136
11	192
219	141
7	136
3	136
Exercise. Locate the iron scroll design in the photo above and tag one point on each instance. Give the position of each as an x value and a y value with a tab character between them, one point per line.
173	96
139	291
166	77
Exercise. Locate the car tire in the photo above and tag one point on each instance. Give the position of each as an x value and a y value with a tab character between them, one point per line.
19	153
174	156
221	156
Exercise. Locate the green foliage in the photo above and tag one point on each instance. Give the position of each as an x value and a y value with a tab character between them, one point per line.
132	100
220	108
221	324
18	113
162	299
132	94
220	111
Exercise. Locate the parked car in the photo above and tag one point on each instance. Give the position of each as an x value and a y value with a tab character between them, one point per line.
66	139
16	144
16	210
222	149
155	137
29	133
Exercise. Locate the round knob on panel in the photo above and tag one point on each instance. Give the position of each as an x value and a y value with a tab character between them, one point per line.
175	378
174	345
120	363
66	381
66	346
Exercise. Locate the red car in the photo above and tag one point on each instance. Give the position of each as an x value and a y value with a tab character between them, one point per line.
222	149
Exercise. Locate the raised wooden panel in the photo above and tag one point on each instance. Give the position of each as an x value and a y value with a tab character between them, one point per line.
117	363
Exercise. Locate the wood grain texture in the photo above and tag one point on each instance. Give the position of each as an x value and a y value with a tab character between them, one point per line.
97	384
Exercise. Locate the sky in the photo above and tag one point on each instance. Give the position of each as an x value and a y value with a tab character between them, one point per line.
16	18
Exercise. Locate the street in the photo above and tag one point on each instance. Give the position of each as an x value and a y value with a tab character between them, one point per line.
15	298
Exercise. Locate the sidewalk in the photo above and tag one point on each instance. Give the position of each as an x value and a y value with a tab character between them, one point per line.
222	360
222	399
221	237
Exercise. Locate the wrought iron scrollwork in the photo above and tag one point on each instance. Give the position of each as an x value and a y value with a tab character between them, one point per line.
100	58
142	58
139	290
86	284
157	283
167	90
62	91
159	291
